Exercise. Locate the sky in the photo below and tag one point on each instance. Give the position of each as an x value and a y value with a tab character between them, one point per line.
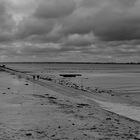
70	30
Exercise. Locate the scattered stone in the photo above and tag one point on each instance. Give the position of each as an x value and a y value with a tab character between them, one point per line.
117	120
93	128
83	104
52	98
85	134
29	134
108	118
53	136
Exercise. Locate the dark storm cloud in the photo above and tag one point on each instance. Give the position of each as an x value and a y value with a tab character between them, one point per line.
6	23
116	21
111	26
117	3
79	40
107	28
113	20
32	26
3	15
107	19
37	51
5	37
54	8
77	25
119	20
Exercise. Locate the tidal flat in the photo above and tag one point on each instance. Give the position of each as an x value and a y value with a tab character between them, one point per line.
42	109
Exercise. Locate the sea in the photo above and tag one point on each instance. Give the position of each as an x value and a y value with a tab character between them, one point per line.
120	77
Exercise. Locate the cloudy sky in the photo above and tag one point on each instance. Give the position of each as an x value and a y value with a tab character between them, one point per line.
70	30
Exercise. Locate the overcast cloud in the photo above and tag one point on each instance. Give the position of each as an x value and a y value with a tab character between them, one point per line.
70	30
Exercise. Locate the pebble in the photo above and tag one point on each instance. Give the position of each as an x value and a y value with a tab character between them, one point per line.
29	134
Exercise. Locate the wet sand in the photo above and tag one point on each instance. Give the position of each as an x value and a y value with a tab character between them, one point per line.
29	111
122	104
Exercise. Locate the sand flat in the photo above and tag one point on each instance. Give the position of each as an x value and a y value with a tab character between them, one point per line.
31	111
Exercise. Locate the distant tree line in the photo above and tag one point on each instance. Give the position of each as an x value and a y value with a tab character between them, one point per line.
70	63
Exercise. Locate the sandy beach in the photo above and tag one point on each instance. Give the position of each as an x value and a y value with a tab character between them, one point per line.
69	70
41	109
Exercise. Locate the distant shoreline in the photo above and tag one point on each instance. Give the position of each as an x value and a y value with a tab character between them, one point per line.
131	63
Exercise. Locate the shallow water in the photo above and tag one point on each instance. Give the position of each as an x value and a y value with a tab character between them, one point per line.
124	82
132	112
120	77
94	68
